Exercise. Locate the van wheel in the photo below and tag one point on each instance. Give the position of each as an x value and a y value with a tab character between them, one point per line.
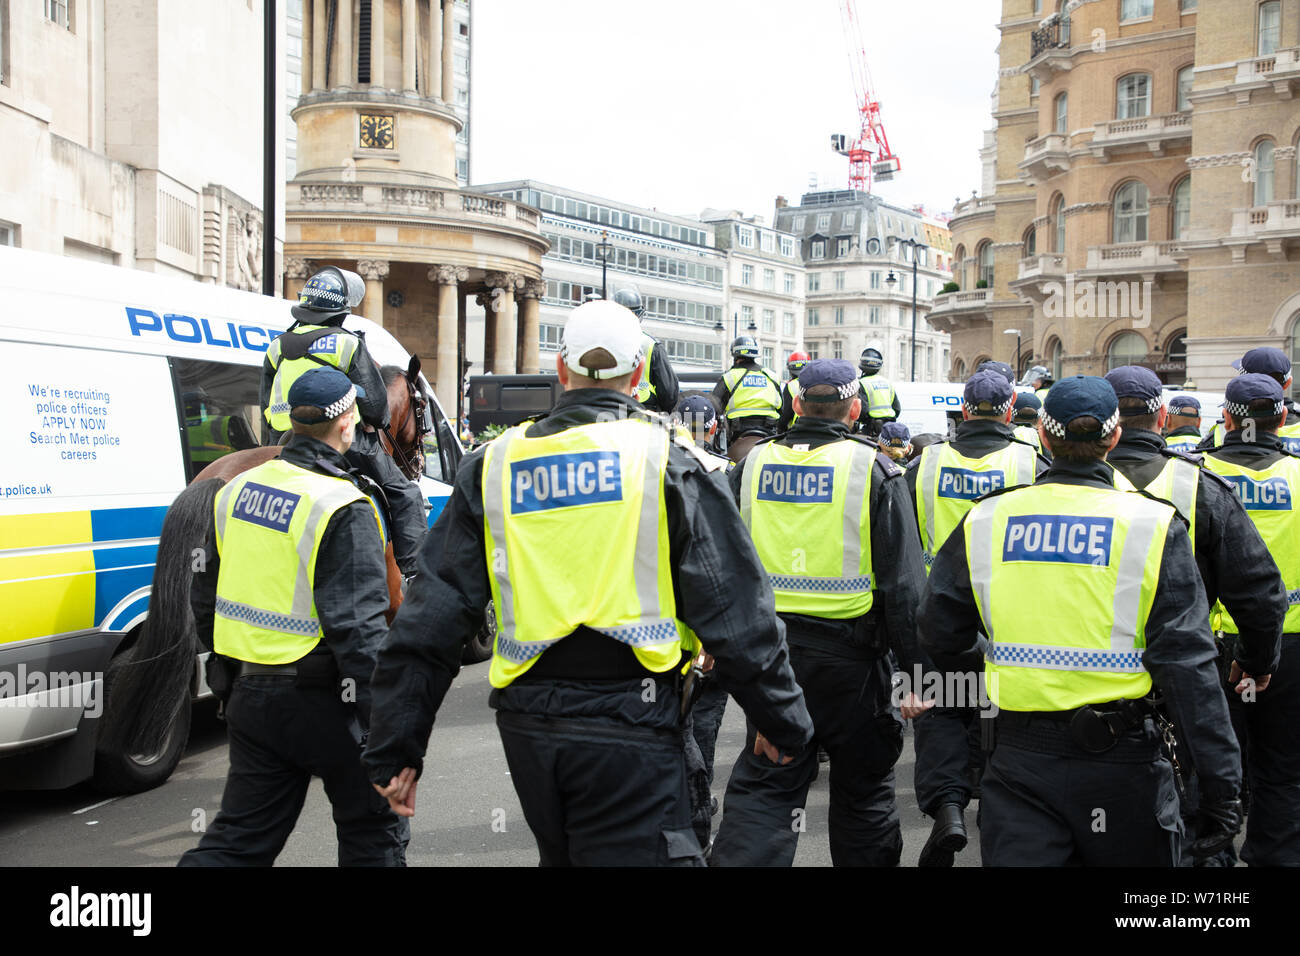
120	772
480	648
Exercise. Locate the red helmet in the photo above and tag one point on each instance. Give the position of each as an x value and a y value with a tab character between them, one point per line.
796	362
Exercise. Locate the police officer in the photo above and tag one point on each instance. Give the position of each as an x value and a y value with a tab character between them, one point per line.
748	394
1077	774
794	365
1233	561
896	442
1183	424
945	482
1266	477
292	596
833	527
698	416
879	402
1002	368
317	339
659	389
1040	380
1275	364
600	540
1024	419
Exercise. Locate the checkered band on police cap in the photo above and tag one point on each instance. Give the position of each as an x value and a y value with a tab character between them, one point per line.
335	409
1080	396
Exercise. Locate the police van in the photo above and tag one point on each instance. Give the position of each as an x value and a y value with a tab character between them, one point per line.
119	386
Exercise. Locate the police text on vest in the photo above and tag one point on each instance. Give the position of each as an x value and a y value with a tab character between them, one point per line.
1069	539
969	485
269	507
1267	494
563	481
796	483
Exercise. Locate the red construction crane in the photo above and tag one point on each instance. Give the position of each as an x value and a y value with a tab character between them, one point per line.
869	155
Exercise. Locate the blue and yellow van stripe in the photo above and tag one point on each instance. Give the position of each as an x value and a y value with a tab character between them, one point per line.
63	572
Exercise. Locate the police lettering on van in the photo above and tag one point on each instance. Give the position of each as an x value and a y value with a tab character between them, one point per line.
185	328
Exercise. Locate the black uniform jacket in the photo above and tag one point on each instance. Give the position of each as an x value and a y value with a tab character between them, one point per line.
1180	651
719	587
895	557
364	372
976	437
350	585
667	391
1231	556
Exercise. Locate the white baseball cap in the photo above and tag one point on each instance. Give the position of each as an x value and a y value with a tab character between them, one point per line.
602	340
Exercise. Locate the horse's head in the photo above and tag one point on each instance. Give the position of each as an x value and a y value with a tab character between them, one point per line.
409	419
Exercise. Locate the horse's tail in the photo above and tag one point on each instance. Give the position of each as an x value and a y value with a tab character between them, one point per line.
152	682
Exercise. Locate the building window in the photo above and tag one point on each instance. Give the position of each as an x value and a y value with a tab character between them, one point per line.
838	278
1030	242
902	358
1033	85
787	247
1062	112
1130	221
1135	9
814	317
787	283
849	219
1055	353
745	237
814	282
1184	89
902	317
8	234
59	11
746	274
1133	96
767	358
1058	222
766	242
1295	354
985	253
1264	173
799	222
838	351
873	315
1270	27
824	222
839	315
875	280
813	352
1127	348
841	248
819	249
1182	207
769	280
1187	6
769	320
787	323
746	315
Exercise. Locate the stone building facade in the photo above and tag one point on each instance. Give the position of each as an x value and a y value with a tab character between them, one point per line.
1144	202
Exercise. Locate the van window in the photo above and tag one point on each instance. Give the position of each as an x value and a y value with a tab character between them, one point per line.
220	410
526	398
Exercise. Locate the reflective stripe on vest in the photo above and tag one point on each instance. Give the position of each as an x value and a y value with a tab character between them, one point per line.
1182	441
754	393
1217	433
792	387
880	395
1027	433
1269	496
948	484
1097	553
338	349
1290	435
1177	484
809	513
270	522
644	389
577	535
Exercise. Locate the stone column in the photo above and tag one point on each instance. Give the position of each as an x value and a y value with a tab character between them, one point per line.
319	32
1284	166
485	300
408	46
296	272
307	40
377	44
530	326
500	308
347	48
446	378
448	28
434	82
374	271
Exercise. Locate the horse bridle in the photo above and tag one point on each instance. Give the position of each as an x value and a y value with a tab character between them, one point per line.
411	463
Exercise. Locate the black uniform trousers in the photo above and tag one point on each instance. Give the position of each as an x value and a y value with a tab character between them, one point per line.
407	521
855	723
1271	747
1045	802
282	735
597	791
949	758
706	718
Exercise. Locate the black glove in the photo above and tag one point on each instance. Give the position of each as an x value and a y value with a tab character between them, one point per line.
1217	823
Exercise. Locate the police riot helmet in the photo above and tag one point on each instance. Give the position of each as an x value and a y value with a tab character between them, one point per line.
1036	373
745	346
872	361
796	362
328	295
630	299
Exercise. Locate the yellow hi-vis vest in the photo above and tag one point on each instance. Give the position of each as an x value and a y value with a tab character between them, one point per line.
1290	435
1097	553
809	513
755	393
793	388
1028	434
1270	496
576	533
1178	484
1182	442
644	390
337	348
269	525
880	396
947	484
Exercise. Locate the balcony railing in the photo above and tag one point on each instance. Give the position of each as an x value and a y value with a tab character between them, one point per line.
1281	64
1279	217
410	199
1155	132
1127	258
1044	264
1045	155
954	301
1055	34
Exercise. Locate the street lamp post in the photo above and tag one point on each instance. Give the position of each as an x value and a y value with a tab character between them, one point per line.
603	249
720	330
891	279
1016	333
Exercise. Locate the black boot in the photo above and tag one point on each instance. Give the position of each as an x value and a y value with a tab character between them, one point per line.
947	837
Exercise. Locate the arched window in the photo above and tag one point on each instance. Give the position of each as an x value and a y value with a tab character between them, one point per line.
1133	96
1127	348
1176	354
1055	352
959	266
1062	104
1030	242
1182	208
1263	172
1058	223
985	254
1295	354
958	371
1130	213
1184	90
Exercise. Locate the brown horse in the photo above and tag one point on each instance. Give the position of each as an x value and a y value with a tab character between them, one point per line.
148	695
744	443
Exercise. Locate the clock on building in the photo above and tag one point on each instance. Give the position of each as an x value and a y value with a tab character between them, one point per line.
376	131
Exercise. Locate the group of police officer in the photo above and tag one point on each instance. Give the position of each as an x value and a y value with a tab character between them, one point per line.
1065	587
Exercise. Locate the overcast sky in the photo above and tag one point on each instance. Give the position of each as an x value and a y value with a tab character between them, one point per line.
685	104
